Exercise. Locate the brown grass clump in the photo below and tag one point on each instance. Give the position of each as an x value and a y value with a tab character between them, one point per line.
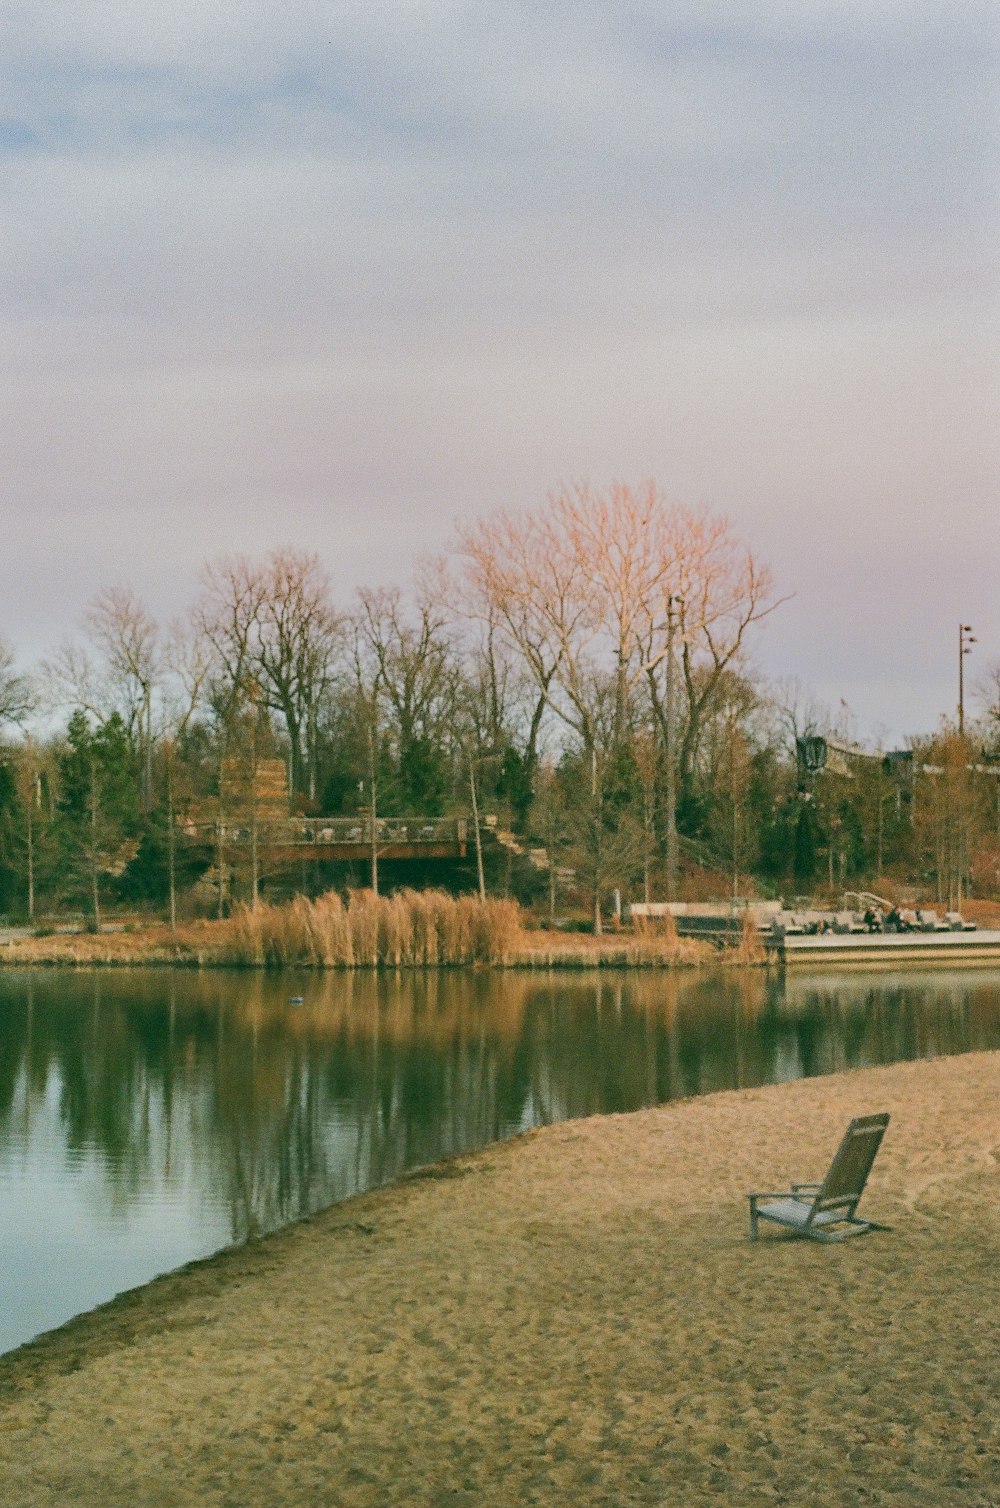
642	952
247	937
425	937
306	931
498	931
363	911
422	928
448	925
334	930
750	949
467	909
662	927
395	940
265	935
193	944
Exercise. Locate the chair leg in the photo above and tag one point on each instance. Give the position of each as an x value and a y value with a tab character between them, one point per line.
753	1219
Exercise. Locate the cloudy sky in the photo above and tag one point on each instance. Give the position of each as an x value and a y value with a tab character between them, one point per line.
336	274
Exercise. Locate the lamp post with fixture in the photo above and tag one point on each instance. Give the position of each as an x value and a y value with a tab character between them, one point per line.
675	605
966	639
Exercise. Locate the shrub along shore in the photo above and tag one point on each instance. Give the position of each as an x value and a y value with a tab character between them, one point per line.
411	929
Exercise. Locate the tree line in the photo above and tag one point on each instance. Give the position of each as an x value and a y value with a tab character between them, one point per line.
579	674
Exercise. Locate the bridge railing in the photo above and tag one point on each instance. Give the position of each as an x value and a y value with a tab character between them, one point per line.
387	829
311	832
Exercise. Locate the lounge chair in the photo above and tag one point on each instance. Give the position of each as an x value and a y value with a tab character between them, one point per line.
825	1211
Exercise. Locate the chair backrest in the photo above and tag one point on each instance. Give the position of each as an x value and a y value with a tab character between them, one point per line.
844	1183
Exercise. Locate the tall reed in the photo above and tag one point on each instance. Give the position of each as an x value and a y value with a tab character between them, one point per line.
395	932
422	928
643	952
750	948
662	927
363	914
334	930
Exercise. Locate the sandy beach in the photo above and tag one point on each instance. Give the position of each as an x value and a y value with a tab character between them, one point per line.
576	1317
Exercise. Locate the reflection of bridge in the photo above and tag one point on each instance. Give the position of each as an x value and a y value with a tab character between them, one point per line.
318	838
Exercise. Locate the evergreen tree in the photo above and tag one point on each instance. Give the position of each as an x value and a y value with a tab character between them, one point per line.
9	827
99	805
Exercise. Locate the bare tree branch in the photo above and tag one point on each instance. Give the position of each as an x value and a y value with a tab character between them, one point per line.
17	694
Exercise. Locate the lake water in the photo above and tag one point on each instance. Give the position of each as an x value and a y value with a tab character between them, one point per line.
148	1117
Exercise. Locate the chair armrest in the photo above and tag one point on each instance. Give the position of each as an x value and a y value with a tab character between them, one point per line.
798	1187
772	1194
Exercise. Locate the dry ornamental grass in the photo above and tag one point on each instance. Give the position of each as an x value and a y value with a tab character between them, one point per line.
412	928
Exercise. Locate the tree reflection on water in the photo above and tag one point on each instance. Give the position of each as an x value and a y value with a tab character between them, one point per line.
217	1082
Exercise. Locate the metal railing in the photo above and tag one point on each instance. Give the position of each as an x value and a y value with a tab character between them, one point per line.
309	832
387	829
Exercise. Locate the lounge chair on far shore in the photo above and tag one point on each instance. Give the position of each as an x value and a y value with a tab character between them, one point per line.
825	1211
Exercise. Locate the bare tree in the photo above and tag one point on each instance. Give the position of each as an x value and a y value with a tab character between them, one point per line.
128	641
523	582
115	670
720	590
583	589
72	678
189	658
227	613
17	696
498	695
274	626
949	811
987	693
406	653
796	714
300	637
30	827
626	546
606	839
552	823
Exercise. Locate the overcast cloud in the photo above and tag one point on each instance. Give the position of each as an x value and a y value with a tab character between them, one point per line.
335	275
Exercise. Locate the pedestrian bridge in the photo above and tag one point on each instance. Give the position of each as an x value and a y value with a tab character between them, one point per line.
318	838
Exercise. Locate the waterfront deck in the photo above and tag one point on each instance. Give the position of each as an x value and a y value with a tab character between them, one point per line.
886	949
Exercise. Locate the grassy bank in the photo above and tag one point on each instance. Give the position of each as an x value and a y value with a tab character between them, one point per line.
192	945
411	929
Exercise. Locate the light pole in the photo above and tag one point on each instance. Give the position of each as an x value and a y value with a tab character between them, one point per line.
966	639
475	822
673	604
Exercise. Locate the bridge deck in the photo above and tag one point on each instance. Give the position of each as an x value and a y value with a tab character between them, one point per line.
305	839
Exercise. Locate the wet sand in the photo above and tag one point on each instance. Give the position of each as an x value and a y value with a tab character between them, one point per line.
576	1317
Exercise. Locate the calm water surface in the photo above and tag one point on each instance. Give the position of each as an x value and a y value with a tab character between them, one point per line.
150	1117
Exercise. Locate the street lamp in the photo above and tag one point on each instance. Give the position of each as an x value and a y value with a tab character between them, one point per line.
675	606
475	818
966	639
